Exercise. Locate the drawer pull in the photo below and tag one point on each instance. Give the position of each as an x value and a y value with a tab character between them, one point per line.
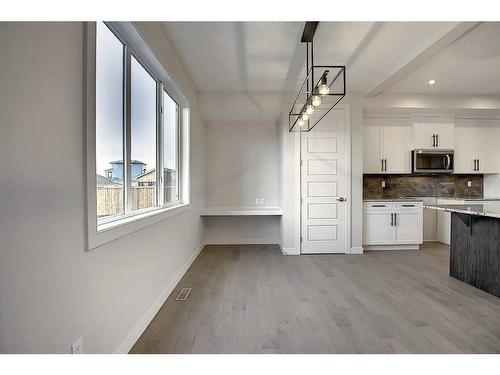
408	205
378	205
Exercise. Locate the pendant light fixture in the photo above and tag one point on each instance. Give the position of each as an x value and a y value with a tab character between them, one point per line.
316	96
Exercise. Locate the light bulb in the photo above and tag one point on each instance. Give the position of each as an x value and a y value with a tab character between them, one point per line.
300	122
309	109
305	116
316	101
324	89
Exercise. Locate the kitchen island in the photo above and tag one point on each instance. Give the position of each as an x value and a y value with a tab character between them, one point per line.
475	244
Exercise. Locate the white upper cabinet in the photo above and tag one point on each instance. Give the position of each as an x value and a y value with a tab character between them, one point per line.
372	150
386	145
434	132
476	145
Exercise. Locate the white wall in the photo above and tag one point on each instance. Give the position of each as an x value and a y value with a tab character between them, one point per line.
51	290
242	164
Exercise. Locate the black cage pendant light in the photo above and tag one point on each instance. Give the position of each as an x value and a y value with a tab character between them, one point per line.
321	90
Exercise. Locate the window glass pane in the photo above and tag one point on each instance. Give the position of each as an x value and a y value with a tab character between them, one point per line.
109	123
143	137
170	149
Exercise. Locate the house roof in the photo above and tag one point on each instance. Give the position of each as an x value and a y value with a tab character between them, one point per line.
104	181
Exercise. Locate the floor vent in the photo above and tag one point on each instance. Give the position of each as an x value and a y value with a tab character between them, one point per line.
183	294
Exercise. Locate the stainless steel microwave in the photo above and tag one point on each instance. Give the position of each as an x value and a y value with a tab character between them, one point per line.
432	161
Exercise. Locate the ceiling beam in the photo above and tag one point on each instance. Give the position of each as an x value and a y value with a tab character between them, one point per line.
423	54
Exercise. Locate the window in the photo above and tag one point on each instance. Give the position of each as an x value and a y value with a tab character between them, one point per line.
143	109
140	163
109	123
170	149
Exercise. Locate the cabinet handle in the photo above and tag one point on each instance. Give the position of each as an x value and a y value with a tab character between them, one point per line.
385	168
392	219
475	168
408	205
378	205
382	167
437	140
478	168
434	140
395	219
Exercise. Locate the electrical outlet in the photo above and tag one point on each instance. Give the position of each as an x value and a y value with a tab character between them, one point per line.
257	200
469	183
77	347
383	184
261	201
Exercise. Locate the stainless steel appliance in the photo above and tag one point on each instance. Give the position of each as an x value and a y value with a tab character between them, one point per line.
432	161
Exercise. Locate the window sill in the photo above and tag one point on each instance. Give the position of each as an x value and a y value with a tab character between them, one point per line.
107	232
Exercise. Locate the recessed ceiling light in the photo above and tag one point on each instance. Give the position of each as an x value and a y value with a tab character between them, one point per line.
432	81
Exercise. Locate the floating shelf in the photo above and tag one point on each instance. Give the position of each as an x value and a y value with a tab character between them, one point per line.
243	211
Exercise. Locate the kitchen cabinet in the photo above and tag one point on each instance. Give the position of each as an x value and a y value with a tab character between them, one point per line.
386	145
393	225
434	132
475	146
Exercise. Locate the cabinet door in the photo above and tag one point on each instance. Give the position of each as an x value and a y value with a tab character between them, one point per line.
425	128
396	134
377	228
372	156
488	142
466	147
408	226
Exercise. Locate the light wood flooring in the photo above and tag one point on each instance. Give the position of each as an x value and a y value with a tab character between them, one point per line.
252	299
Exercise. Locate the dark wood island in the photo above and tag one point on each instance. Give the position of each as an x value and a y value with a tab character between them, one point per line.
475	244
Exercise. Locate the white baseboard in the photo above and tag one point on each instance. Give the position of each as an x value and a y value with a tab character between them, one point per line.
148	316
245	241
357	250
289	250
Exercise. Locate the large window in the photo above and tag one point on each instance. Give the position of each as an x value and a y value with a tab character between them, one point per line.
138	149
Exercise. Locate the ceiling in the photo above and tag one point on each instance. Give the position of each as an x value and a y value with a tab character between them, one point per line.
470	65
236	63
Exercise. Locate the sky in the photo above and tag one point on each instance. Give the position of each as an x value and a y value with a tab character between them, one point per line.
109	109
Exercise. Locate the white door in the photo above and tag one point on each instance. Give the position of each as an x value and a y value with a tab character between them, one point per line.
466	148
396	137
408	226
323	185
372	155
377	228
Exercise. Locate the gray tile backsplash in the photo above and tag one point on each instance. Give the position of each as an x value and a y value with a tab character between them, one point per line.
446	186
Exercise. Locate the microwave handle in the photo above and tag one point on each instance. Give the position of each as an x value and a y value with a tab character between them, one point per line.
447	161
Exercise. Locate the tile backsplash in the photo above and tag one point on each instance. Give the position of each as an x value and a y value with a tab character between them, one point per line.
397	185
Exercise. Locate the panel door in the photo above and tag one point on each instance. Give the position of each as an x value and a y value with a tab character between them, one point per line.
323	175
396	137
408	227
488	141
372	155
426	127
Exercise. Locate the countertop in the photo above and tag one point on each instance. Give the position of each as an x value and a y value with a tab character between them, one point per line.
485	199
394	200
491	209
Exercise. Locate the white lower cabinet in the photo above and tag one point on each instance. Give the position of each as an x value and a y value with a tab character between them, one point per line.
392	225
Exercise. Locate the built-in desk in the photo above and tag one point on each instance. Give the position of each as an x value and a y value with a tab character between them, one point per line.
244	211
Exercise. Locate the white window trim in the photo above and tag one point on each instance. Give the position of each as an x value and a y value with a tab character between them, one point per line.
109	230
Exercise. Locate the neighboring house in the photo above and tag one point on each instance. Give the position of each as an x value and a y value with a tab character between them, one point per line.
148	178
105	181
116	170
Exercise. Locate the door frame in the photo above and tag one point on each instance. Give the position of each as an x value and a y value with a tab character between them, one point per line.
348	188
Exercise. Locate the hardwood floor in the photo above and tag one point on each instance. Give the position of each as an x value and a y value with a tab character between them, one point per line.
252	299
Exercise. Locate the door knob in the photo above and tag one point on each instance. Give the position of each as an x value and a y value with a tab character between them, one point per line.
341	199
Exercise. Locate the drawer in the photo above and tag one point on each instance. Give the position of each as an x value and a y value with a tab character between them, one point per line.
409	206
378	206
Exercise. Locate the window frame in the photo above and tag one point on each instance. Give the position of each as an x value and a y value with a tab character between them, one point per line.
103	230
